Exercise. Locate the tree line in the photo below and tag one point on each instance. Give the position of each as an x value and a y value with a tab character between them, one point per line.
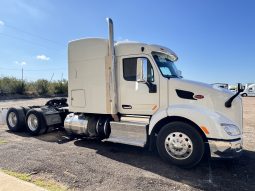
40	87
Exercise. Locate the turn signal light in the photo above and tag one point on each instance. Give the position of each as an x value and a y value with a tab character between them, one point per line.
205	130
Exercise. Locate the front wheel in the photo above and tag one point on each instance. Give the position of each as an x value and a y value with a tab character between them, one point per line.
244	95
180	144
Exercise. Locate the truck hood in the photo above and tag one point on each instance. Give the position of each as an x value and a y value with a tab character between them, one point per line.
183	92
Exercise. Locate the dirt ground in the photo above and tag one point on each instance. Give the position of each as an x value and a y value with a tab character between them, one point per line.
92	165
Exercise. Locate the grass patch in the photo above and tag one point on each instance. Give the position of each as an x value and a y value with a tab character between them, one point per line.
22	176
2	142
49	185
41	182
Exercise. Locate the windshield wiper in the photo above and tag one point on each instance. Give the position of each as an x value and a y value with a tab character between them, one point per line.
171	76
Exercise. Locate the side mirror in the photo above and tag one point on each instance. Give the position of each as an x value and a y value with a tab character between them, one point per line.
141	70
179	73
240	87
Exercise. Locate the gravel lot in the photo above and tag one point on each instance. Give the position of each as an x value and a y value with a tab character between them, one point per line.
91	165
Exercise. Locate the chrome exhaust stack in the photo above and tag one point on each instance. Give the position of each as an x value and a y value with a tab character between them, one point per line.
113	79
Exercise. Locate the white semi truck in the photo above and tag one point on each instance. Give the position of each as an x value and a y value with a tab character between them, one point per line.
132	93
249	90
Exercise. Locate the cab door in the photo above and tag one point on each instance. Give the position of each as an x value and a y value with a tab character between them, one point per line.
136	97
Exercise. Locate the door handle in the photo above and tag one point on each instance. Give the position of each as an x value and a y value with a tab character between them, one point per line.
127	106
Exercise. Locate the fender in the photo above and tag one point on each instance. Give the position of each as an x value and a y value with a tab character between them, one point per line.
200	116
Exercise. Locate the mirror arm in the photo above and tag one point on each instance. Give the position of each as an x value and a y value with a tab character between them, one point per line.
152	87
228	103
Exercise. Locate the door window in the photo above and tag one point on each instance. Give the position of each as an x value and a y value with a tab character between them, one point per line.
129	69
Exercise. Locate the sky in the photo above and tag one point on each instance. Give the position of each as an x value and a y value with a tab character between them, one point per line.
214	39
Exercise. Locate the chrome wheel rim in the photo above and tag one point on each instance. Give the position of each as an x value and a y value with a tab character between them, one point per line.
32	122
12	119
178	145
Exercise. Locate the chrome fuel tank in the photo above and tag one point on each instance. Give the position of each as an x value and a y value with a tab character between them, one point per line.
76	124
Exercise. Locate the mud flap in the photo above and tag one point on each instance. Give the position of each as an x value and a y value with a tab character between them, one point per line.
3	113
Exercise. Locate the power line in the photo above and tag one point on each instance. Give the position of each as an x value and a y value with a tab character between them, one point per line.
32	34
60	69
8	69
30	42
25	40
34	70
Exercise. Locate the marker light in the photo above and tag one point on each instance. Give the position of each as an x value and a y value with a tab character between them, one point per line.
198	96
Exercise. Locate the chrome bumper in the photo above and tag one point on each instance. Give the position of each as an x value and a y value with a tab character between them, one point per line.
225	148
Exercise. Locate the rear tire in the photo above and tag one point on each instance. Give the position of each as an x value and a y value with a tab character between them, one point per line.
15	119
244	95
35	122
181	144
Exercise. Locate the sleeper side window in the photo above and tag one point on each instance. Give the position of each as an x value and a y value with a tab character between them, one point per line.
129	69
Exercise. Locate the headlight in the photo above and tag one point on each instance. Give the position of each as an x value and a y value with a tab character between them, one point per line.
231	129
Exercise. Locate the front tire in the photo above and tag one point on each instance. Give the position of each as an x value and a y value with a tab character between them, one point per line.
181	144
244	95
35	122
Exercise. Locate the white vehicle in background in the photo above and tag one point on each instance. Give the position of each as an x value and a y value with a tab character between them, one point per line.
132	93
249	91
220	85
233	88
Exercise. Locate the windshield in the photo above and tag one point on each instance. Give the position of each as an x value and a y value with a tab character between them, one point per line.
165	65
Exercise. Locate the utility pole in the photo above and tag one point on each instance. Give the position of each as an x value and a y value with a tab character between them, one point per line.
22	75
51	77
22	82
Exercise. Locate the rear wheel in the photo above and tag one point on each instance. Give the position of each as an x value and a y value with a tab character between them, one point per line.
244	95
15	119
35	122
180	144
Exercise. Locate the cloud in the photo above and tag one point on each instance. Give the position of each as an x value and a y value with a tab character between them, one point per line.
22	63
42	57
1	23
122	39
